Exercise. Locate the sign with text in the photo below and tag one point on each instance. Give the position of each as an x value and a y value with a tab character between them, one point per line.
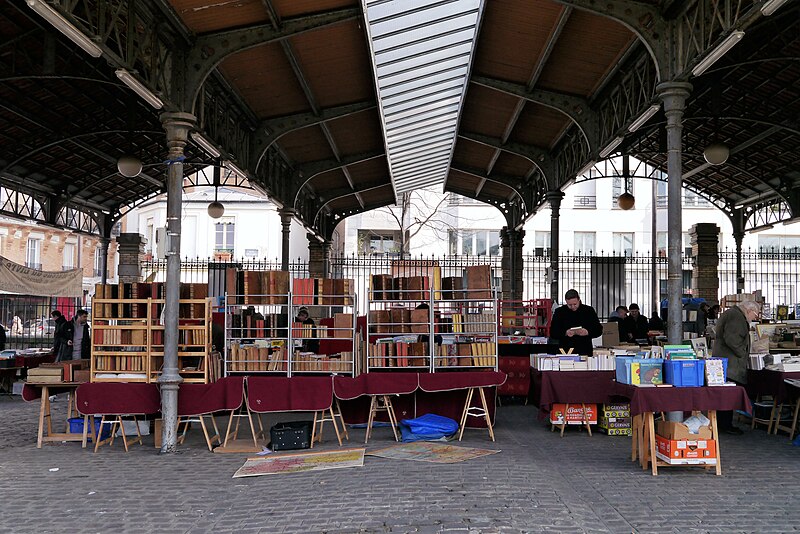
16	278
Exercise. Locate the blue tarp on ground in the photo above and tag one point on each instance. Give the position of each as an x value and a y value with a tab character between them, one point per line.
427	427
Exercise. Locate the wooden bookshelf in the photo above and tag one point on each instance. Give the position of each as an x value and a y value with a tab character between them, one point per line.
128	339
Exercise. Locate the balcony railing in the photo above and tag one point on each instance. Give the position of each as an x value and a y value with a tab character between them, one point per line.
587	202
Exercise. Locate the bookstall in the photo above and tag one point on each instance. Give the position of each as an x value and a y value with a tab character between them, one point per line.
413	327
128	333
263	337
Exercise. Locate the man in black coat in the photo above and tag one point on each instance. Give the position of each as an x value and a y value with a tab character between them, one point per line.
59	339
636	324
78	344
574	325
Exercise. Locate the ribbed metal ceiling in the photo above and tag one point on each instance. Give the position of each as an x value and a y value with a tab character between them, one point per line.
422	53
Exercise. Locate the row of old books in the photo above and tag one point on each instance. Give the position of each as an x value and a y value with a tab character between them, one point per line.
399	320
471	323
119	363
256	358
250	323
467	355
476	284
398	354
309	362
145	290
118	336
323	292
386	287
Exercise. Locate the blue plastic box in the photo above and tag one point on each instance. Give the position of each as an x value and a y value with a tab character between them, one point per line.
684	373
76	427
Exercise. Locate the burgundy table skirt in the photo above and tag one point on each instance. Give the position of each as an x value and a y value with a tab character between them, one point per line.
767	382
573	387
200	399
666	399
118	398
296	394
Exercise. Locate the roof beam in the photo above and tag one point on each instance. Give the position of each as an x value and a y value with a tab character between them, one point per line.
307	172
576	108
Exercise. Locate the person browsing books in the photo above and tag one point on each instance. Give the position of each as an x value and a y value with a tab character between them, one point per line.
310	345
575	324
636	324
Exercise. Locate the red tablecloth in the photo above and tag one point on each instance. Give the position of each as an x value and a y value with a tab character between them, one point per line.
224	394
666	399
118	398
389	383
296	394
767	382
434	382
576	387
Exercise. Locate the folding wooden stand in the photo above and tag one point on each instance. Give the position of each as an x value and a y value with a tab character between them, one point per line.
644	444
243	411
482	411
185	421
116	423
381	403
45	418
320	418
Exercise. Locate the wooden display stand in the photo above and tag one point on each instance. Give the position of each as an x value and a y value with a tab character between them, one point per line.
128	338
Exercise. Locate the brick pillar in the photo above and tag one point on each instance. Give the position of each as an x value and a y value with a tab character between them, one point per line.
705	261
319	258
131	250
511	241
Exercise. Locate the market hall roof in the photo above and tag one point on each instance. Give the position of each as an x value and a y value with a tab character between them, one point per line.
286	94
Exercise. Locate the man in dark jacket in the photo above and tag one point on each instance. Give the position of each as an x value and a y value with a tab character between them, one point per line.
619	317
636	324
59	340
76	332
575	324
733	342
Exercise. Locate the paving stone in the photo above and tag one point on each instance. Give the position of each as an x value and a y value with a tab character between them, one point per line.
539	482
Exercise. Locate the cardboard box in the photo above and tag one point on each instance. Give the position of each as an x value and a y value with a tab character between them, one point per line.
610	337
614	422
675	431
616	410
686	461
615	431
574	415
686	449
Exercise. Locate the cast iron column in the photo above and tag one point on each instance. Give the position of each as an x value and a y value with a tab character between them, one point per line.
104	241
177	126
554	198
738	237
674	95
286	225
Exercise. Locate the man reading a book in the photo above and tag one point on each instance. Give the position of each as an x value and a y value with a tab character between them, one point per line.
575	324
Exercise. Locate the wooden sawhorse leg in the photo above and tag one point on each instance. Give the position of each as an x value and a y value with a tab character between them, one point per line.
482	411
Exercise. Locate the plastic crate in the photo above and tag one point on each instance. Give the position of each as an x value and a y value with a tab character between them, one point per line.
684	373
76	427
290	436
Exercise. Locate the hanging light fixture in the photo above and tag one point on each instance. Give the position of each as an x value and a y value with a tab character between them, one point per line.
216	209
129	166
626	200
716	153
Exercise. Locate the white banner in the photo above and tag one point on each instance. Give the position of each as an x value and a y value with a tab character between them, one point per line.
16	278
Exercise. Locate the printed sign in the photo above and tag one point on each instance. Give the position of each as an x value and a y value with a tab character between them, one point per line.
16	278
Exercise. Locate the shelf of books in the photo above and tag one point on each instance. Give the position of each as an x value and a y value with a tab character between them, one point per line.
414	327
399	323
128	335
261	338
468	331
521	319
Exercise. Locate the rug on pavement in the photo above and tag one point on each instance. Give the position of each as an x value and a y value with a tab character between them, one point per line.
426	451
299	463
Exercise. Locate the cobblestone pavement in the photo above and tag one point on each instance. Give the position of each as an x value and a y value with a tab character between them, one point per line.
539	482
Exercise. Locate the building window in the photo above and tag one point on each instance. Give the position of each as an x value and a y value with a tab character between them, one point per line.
150	246
661	244
378	242
33	259
584	242
778	244
541	243
69	257
586	195
474	242
693	200
224	235
623	243
98	268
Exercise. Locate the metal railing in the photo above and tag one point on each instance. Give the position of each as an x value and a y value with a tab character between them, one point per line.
27	322
604	280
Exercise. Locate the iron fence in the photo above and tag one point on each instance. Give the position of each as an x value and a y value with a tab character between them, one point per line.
27	321
604	280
